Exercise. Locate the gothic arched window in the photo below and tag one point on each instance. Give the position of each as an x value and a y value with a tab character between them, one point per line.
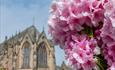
41	55
26	55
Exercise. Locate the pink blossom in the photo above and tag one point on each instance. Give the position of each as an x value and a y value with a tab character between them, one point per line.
70	17
110	11
80	53
80	26
108	38
112	67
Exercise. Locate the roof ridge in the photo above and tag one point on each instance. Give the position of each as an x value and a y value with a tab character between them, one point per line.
23	32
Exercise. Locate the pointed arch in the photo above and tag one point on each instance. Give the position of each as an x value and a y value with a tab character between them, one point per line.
26	55
41	55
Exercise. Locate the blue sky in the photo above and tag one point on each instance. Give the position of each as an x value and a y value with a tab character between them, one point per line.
16	15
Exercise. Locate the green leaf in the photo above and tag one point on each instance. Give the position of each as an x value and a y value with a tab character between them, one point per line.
102	64
88	30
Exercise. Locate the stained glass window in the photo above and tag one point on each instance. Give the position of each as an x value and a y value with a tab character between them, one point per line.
41	56
26	55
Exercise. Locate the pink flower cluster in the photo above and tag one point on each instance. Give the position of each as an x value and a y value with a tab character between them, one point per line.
80	26
80	54
108	38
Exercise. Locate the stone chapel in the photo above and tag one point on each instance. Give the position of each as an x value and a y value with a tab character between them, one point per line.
27	50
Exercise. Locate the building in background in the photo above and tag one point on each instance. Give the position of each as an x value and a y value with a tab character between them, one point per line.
28	50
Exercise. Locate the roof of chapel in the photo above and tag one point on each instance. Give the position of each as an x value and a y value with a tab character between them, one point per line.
31	31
